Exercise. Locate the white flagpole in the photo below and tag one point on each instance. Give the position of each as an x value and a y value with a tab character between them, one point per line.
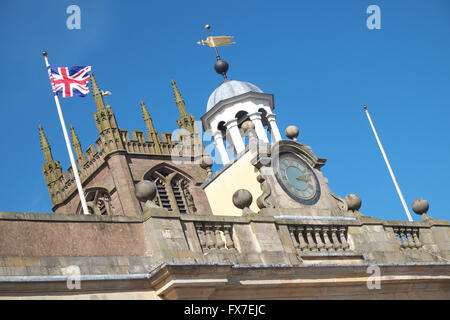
389	166
69	148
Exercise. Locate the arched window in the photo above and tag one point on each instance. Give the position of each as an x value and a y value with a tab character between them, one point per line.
173	191
241	117
98	201
264	120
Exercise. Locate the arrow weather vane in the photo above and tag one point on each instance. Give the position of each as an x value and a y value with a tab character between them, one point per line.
221	66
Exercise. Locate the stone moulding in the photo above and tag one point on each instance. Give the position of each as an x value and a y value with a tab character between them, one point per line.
327	281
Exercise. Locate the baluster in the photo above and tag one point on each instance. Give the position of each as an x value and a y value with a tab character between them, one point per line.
336	244
294	240
311	245
220	244
328	244
301	239
415	234
228	239
404	243
411	243
320	244
201	235
344	242
209	237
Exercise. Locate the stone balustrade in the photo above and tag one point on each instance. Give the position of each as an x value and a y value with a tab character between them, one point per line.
215	236
309	238
408	237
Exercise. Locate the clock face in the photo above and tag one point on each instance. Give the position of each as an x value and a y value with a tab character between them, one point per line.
297	178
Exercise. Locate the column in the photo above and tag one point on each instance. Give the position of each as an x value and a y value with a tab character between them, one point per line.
276	136
260	131
220	147
235	135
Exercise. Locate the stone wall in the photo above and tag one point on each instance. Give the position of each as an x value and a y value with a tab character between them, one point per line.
127	253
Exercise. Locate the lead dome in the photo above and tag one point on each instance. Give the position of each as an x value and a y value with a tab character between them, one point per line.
229	89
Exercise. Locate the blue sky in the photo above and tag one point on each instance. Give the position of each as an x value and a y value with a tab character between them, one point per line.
317	57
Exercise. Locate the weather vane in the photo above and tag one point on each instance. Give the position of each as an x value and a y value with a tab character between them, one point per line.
221	66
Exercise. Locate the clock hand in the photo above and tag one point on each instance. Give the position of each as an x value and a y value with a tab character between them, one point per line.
302	178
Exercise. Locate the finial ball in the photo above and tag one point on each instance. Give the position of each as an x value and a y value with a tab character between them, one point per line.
145	190
420	206
221	66
353	202
208	27
291	132
242	198
207	162
44	53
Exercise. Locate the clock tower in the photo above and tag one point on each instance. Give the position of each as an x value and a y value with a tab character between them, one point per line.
283	176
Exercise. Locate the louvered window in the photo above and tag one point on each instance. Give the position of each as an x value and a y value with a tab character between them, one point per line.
163	196
178	197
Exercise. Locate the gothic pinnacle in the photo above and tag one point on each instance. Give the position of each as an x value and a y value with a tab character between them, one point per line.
179	99
45	146
147	118
76	143
97	93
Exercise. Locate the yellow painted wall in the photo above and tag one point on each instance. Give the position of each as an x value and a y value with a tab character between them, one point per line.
240	175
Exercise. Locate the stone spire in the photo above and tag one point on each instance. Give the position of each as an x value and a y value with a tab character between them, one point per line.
152	134
179	99
97	93
45	146
76	144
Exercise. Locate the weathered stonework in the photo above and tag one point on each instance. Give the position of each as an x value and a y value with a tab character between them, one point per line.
117	162
191	234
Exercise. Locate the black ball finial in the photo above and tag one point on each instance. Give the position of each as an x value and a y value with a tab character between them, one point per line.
221	67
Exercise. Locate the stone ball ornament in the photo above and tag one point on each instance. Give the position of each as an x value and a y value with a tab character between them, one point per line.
145	190
242	199
353	202
206	162
291	132
420	206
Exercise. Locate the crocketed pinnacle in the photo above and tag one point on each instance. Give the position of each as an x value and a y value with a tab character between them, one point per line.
45	146
97	93
147	118
76	143
179	99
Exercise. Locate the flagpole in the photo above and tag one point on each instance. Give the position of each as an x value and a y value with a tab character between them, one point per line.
388	165
69	148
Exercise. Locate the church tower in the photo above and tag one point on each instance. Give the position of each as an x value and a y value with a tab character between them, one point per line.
110	169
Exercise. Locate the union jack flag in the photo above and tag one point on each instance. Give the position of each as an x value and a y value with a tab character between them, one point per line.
70	81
